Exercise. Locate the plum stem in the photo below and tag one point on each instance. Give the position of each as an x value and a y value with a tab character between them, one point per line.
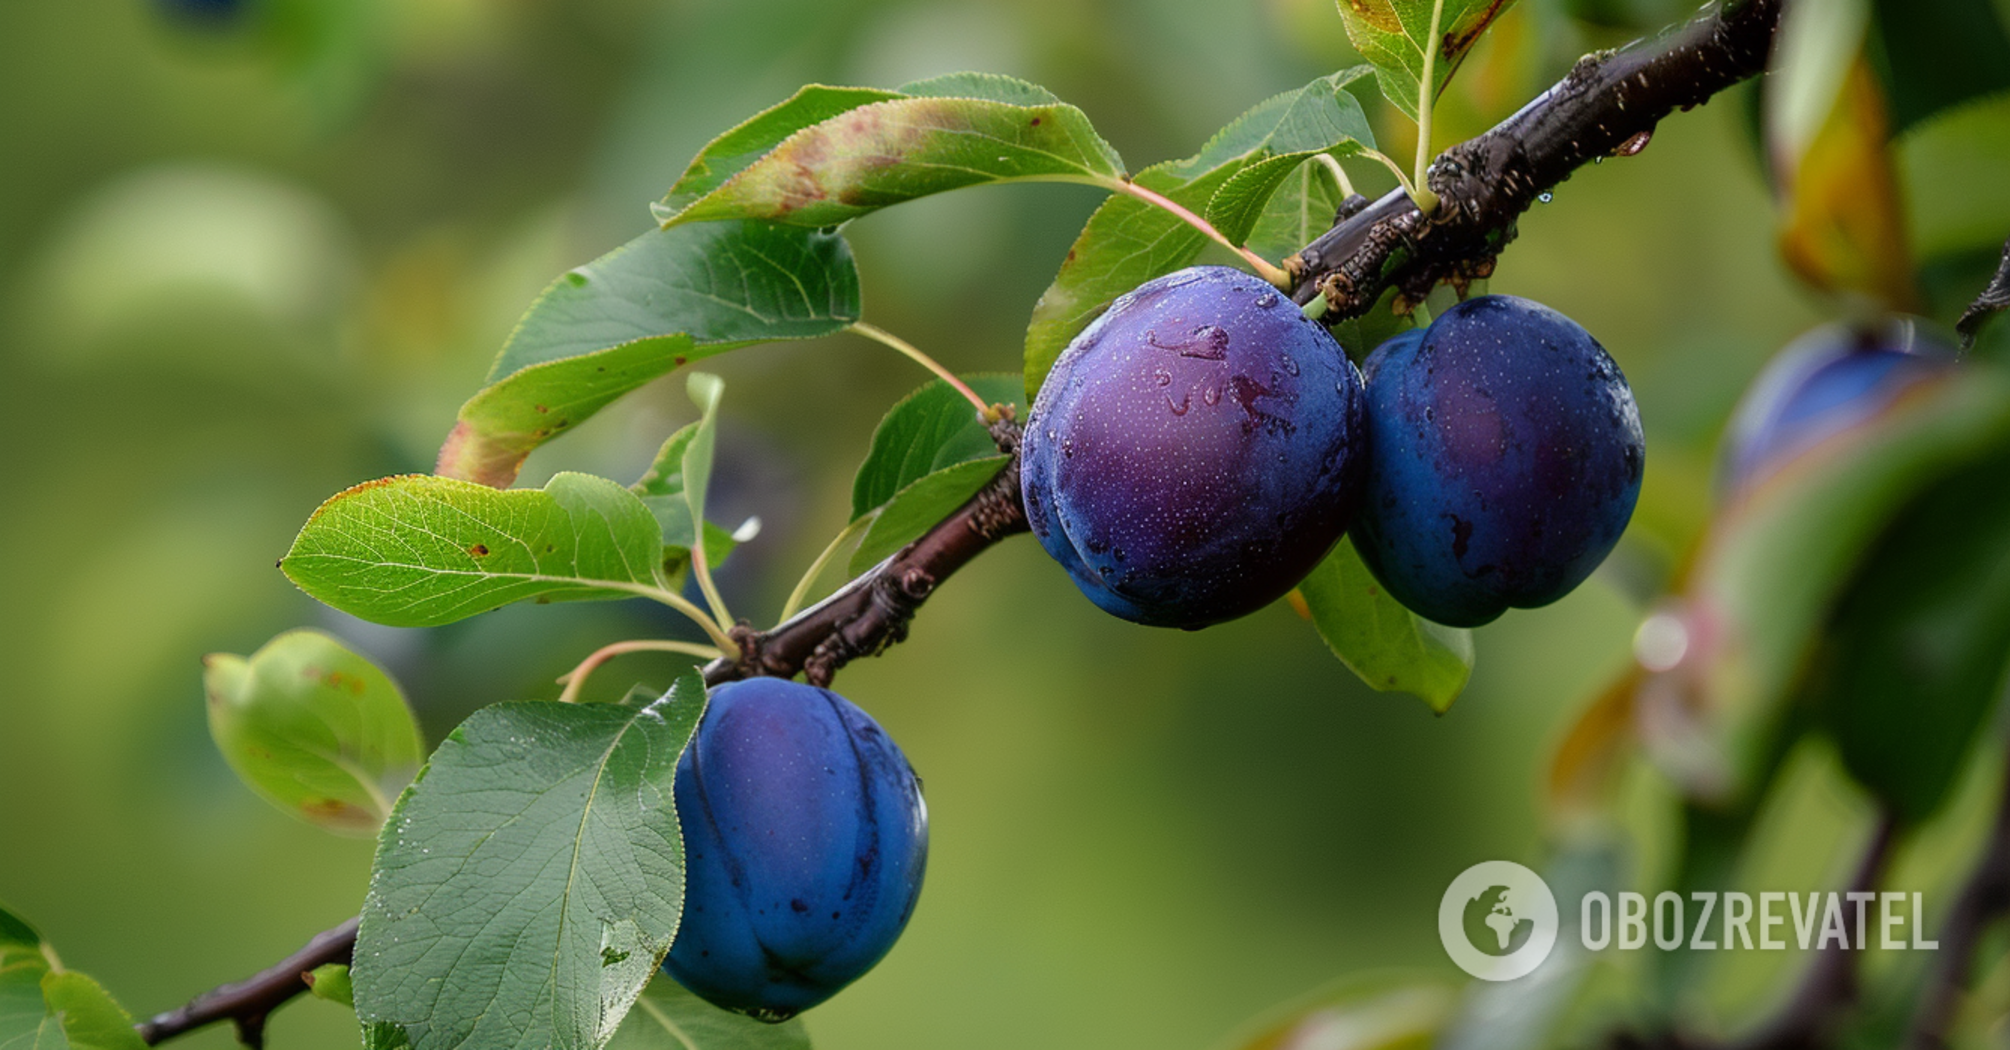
575	679
985	410
1264	268
816	569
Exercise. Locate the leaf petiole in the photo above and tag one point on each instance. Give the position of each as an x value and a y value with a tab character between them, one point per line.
1263	267
1427	202
886	338
575	679
1339	173
816	569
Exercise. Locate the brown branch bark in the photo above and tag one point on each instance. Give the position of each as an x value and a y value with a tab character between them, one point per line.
248	1002
1609	104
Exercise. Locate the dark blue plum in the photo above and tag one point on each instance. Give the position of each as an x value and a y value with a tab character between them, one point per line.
805	839
1828	381
1195	451
1505	459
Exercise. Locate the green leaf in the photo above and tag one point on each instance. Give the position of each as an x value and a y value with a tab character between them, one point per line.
669	1018
916	508
1300	209
418	551
1816	47
696	463
331	982
25	1020
1372	1012
1388	646
1913	658
1941	53
661	489
1128	242
901	148
932	428
1395	36
315	729
664	299
1774	564
91	1018
530	882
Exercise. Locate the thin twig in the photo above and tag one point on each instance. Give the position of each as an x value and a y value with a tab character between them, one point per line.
248	1002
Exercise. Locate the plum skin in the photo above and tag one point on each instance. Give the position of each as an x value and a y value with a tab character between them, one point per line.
1829	380
1505	459
805	842
1195	451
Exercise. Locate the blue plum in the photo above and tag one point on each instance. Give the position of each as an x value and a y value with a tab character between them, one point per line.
805	840
1830	380
1195	451
1505	459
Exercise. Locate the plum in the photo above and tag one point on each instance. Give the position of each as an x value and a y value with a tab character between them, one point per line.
805	840
1505	457
1829	380
1195	451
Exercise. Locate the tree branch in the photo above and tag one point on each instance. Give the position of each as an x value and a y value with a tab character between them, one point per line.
250	1001
870	613
1994	299
1609	104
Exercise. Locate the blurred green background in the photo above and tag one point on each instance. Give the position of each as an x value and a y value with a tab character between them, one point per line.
249	263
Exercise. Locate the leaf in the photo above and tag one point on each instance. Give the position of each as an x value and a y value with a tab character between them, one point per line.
1941	53
664	299
91	1018
1843	227
1395	37
932	428
418	551
696	463
669	1018
904	147
1388	646
1815	49
916	508
730	153
315	729
1127	242
530	882
661	489
1359	1013
331	982
1913	658
25	1021
1769	572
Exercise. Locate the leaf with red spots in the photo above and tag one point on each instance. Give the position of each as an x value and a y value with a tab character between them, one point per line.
663	300
1395	37
933	136
1232	180
1388	646
399	551
313	728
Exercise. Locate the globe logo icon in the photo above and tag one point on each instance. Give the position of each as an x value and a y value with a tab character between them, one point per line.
1498	920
